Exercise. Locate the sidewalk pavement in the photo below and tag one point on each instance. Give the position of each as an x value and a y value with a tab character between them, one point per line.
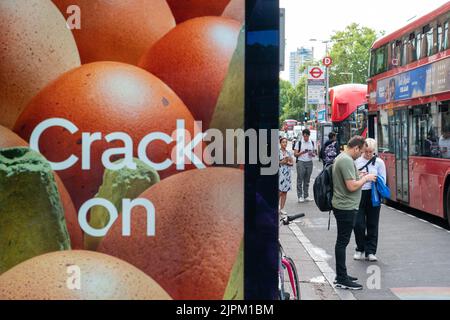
316	276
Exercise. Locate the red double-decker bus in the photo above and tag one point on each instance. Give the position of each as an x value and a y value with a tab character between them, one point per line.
409	98
349	111
288	125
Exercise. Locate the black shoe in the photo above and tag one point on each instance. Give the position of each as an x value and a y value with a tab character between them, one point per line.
349	285
352	279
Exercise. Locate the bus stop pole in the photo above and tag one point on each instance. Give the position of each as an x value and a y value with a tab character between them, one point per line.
306	103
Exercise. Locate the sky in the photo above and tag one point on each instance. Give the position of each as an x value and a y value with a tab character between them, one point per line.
317	19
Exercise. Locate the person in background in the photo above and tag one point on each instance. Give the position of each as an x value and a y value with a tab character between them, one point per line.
330	150
286	163
368	217
305	153
347	184
444	144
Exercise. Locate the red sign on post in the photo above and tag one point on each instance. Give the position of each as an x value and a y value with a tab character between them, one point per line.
327	61
316	73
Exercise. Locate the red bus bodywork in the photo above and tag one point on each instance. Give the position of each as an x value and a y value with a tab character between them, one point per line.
345	101
428	178
288	125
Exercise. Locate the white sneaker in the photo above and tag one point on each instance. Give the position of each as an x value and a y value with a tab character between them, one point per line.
309	199
358	256
372	258
283	212
301	200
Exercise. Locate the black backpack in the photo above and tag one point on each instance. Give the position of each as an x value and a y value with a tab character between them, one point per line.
323	189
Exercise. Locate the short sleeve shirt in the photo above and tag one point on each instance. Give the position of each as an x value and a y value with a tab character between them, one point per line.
344	169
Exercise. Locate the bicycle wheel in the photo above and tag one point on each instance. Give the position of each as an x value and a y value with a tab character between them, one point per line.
291	285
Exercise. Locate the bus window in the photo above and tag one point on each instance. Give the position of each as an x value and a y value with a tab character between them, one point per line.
391	132
405	52
445	37
412	48
418	45
381	63
383	132
362	118
429	35
425	133
391	55
444	137
439	37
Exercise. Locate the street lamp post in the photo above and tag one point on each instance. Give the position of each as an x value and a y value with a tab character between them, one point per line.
327	75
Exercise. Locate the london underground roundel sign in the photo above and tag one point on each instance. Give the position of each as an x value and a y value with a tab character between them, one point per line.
316	73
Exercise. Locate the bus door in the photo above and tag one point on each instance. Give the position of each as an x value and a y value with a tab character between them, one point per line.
401	139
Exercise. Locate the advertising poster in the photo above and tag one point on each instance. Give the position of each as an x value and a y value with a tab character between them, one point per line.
114	183
423	81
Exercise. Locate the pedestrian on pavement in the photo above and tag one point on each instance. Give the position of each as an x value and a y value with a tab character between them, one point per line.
347	184
330	150
368	217
305	153
286	164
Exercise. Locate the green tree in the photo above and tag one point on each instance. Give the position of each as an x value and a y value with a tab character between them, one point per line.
351	53
285	87
292	100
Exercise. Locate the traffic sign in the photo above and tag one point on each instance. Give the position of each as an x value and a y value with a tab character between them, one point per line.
316	73
327	61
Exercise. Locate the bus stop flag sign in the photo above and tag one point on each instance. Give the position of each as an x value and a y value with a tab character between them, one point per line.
316	73
327	61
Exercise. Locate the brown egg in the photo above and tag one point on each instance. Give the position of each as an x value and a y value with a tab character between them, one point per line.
9	139
187	9
105	97
193	59
118	30
35	48
54	276
235	10
199	227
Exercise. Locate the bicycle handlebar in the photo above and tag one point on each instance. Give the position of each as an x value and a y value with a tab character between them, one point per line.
291	218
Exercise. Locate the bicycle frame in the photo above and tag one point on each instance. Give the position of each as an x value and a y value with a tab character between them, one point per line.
291	277
286	263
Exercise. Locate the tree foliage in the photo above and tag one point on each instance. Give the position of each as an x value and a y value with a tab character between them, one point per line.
351	54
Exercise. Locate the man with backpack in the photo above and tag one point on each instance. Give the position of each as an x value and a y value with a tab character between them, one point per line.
305	153
347	184
330	150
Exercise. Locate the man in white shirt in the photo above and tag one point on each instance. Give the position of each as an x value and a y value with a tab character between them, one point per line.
305	153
